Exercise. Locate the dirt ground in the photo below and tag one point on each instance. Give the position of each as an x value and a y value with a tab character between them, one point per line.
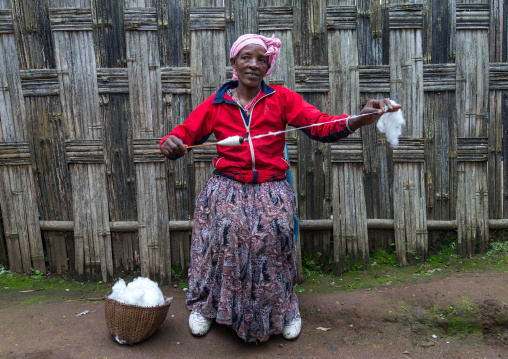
458	315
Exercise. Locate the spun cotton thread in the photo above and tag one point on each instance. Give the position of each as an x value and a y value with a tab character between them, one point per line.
231	141
391	125
141	292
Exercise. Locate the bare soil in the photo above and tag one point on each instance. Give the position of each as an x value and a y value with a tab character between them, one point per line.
456	315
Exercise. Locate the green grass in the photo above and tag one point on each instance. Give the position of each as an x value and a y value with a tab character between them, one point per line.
382	269
39	281
498	248
461	316
67	282
177	274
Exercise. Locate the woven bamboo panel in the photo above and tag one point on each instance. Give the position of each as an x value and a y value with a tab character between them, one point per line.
87	87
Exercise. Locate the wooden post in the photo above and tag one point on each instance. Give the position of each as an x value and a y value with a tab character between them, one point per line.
44	126
472	106
17	188
110	53
406	79
439	111
349	210
145	97
79	95
174	47
373	51
498	178
181	179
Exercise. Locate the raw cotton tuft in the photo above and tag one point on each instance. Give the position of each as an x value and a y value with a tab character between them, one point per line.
391	125
141	291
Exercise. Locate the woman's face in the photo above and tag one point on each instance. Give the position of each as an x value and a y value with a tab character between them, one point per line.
251	65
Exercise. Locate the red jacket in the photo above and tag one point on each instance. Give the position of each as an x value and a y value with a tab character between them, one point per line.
256	160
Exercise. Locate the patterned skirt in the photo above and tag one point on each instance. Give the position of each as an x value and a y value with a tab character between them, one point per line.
243	256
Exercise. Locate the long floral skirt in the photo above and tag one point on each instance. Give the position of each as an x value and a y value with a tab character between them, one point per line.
243	256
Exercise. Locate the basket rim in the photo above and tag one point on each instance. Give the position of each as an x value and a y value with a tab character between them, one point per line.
167	302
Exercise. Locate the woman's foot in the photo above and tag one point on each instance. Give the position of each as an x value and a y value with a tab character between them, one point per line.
292	329
198	324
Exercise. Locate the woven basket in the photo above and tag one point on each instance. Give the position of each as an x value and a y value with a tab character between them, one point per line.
130	324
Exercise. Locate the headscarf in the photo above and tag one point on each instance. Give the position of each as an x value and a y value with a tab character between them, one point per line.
270	44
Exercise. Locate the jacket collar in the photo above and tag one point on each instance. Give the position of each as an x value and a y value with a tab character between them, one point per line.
219	96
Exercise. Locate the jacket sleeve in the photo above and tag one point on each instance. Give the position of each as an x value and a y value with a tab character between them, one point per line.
197	127
300	113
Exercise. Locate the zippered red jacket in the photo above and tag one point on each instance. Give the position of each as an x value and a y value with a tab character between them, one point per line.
256	160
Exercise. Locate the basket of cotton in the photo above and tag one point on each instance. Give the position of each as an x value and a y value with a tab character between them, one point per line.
135	311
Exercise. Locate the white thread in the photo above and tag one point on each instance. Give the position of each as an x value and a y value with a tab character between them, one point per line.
313	125
231	141
238	140
391	125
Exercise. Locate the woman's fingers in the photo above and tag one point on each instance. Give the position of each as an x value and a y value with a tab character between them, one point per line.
376	108
173	146
382	106
181	148
388	106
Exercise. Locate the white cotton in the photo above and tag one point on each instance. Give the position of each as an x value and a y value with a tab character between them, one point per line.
391	125
118	292
141	291
231	141
120	341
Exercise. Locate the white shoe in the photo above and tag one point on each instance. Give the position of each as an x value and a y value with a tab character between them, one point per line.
198	324
293	328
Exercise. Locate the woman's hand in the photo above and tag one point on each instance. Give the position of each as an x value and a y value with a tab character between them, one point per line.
173	146
377	106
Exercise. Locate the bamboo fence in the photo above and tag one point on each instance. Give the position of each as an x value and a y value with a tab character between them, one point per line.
88	86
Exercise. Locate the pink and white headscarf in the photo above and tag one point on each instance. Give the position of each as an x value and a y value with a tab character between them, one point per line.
271	45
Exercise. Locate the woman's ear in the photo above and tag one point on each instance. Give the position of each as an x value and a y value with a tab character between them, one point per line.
232	61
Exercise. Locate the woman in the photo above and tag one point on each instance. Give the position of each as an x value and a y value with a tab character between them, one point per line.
243	253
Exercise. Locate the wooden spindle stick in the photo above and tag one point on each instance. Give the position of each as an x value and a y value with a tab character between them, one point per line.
201	145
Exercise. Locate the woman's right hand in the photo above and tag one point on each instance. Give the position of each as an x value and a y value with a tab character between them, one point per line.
173	146
381	106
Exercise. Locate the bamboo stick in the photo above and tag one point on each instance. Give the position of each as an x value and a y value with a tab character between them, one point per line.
201	145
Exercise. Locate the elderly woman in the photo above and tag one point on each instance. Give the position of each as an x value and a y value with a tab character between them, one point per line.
243	253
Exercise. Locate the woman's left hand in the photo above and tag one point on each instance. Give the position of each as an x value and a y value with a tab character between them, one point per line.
379	107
